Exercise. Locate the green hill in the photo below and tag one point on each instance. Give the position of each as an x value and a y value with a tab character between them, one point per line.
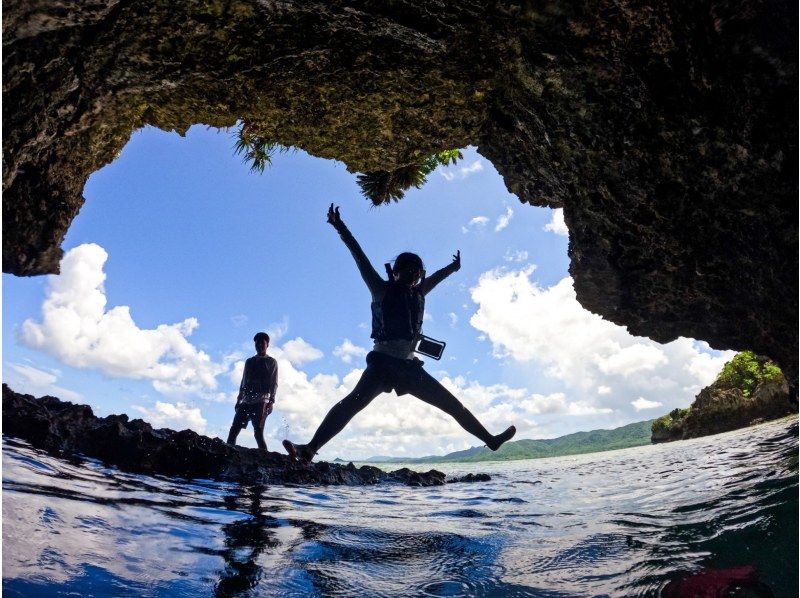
636	434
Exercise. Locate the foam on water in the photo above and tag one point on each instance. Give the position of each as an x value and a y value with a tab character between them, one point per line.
622	523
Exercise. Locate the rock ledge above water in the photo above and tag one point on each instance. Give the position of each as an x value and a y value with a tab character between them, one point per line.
66	429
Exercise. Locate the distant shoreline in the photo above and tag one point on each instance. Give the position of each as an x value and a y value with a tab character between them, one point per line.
577	443
493	457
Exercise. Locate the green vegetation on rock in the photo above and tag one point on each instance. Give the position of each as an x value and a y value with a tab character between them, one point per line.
749	389
257	150
379	186
665	422
746	371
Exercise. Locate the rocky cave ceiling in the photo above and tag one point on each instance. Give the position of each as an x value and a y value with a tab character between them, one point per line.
666	131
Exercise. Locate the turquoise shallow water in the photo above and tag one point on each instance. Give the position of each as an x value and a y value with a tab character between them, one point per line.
623	523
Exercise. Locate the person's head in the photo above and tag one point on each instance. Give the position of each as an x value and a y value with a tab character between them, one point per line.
261	340
408	268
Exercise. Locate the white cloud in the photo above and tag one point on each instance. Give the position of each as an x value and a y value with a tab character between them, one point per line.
277	330
557	224
453	318
298	351
80	331
548	329
348	350
628	360
642	403
236	373
503	220
478	222
462	172
405	425
30	380
515	256
177	416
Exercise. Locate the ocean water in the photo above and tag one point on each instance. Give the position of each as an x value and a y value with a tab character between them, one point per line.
622	523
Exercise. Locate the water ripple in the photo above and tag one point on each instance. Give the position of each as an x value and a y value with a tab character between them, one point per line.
638	522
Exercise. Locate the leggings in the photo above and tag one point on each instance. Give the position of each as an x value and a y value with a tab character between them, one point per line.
380	377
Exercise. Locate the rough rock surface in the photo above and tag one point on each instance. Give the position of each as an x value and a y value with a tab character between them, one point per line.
64	428
666	130
720	408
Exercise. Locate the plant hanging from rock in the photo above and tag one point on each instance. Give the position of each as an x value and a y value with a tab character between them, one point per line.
379	186
385	186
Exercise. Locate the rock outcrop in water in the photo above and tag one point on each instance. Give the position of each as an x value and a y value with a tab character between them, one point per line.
749	390
66	429
667	131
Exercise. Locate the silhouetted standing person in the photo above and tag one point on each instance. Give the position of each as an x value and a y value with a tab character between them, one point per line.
256	392
397	309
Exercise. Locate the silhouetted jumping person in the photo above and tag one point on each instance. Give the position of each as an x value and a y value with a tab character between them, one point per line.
256	392
397	309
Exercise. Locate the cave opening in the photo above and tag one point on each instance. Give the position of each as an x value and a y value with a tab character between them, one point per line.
181	244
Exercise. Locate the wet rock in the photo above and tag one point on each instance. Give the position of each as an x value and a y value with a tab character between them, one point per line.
470	477
67	430
666	130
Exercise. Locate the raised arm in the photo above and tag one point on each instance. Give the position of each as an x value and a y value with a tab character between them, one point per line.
368	273
438	276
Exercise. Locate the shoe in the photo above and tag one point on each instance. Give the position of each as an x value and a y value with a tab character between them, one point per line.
299	452
502	438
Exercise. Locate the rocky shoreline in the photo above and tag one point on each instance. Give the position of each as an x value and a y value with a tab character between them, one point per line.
68	430
735	401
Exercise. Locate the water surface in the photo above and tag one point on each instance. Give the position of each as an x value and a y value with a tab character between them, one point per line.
621	523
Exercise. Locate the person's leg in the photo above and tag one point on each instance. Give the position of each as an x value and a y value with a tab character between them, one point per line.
430	390
236	426
368	387
258	425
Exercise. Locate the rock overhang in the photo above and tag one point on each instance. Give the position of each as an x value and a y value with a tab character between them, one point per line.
667	133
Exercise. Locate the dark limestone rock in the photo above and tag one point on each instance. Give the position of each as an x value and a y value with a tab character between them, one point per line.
721	408
666	130
471	477
65	429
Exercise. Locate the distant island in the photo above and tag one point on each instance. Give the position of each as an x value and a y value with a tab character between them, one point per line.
636	434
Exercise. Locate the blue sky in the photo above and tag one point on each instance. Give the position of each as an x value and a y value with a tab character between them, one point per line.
181	253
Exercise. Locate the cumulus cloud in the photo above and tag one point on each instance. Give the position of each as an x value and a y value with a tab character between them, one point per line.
30	380
557	224
548	328
628	360
503	220
298	351
463	172
453	318
348	350
177	416
78	329
407	426
641	403
479	222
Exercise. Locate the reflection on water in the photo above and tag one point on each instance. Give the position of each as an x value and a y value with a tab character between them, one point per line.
707	513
